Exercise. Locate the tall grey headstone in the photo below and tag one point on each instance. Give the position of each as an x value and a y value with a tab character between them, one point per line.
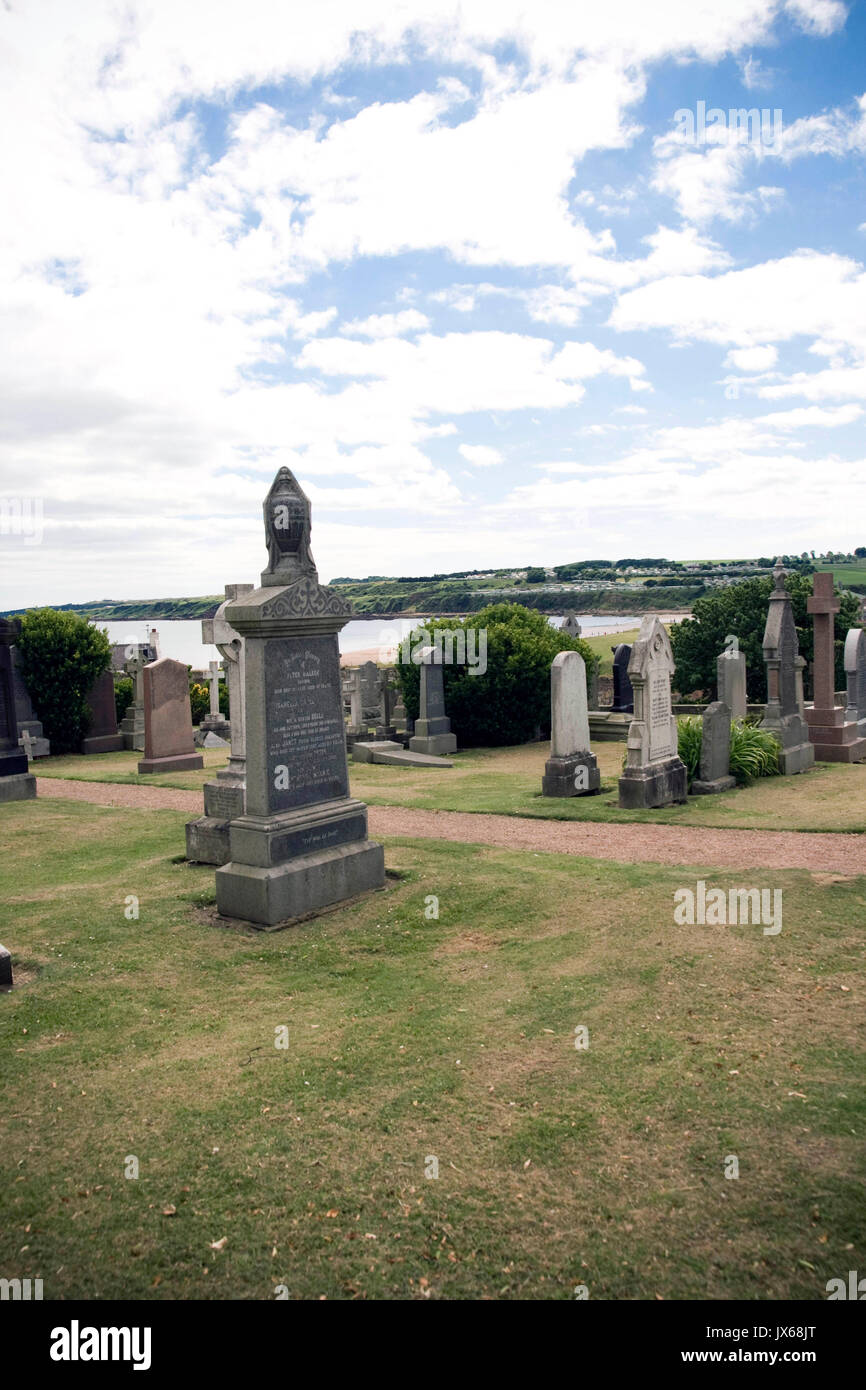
715	769
655	775
207	838
433	727
571	769
784	715
368	673
301	844
731	682
16	782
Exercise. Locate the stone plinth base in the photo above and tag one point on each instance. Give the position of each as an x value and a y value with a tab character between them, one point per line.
577	775
20	786
181	762
395	755
211	724
834	739
658	784
718	784
108	743
605	726
207	841
269	897
435	744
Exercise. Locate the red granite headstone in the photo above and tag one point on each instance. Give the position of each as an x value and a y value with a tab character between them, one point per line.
168	744
102	736
835	738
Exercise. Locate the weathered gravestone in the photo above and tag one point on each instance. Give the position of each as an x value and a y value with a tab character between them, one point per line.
102	734
433	727
731	682
835	737
570	625
623	694
207	838
571	769
783	716
655	775
302	843
855	676
168	744
16	782
132	724
715	769
36	745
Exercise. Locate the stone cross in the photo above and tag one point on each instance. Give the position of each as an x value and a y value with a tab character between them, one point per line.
214	669
571	769
207	838
570	625
655	775
356	711
823	605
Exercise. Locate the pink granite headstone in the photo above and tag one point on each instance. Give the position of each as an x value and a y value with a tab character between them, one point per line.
168	744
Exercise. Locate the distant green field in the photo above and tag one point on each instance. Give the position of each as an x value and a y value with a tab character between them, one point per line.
846	574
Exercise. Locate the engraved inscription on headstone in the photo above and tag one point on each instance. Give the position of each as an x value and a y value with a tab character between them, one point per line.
304	723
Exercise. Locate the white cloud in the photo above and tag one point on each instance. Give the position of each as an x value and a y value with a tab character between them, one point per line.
481	455
753	359
388	325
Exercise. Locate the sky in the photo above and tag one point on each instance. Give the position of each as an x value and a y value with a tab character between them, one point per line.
502	284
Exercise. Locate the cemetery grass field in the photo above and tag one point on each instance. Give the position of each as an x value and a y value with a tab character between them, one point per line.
507	781
411	1038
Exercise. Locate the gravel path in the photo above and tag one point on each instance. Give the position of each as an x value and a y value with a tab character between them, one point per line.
634	843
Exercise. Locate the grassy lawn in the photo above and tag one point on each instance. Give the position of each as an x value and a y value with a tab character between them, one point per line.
123	767
411	1038
508	780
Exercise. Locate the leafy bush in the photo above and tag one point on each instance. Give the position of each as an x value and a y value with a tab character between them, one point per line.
690	736
741	609
61	657
754	751
510	703
124	693
199	700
